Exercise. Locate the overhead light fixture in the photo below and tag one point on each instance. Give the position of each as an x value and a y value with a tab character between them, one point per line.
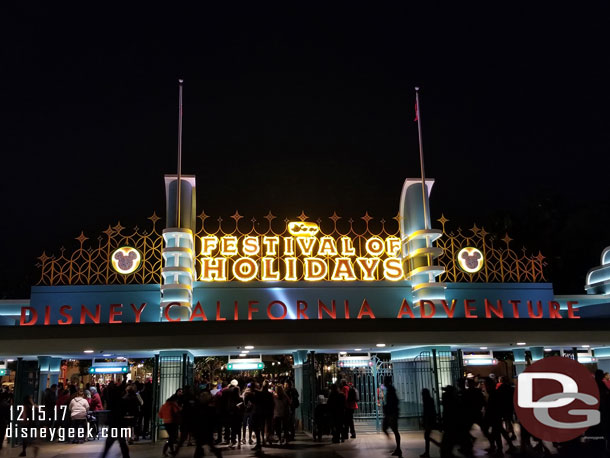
475	361
357	349
586	346
107	354
521	343
245	351
483	348
343	353
548	349
380	345
241	355
249	347
10	360
88	351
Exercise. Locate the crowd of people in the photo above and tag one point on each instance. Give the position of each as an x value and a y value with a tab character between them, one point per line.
488	403
261	412
122	405
245	411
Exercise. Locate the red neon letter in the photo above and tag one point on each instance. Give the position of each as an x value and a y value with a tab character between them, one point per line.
84	313
114	313
33	316
405	310
497	311
62	311
236	311
365	309
450	311
47	315
572	311
346	306
198	313
137	312
331	313
301	310
166	312
218	317
422	309
530	310
251	309
468	309
554	310
515	305
281	304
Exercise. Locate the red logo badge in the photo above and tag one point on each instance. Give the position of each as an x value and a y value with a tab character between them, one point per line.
557	399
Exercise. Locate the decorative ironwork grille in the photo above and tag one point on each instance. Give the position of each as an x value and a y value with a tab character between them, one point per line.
89	263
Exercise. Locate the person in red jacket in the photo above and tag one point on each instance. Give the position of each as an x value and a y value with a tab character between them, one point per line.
95	402
351	404
170	413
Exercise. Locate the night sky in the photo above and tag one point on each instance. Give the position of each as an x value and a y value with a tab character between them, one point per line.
309	108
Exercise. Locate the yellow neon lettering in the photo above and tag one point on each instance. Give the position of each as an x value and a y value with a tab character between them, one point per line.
251	246
374	246
327	247
392	246
306	245
347	247
208	244
291	269
228	246
271	244
289	246
245	269
343	271
315	268
392	269
213	269
268	273
368	266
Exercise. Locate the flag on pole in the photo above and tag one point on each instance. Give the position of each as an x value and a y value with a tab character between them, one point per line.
416	112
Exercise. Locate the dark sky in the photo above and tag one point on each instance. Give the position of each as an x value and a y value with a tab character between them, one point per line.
289	108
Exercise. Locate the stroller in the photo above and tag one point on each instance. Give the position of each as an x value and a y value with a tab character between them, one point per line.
93	422
321	421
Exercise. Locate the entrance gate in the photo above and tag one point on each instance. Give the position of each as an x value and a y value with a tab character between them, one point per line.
430	369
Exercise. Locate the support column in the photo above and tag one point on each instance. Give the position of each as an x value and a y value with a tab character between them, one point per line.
178	272
417	237
537	353
299	358
49	369
602	354
520	362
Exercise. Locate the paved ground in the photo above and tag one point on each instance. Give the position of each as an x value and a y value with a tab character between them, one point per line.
370	445
365	446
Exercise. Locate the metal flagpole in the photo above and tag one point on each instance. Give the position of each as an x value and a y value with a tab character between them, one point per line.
421	159
423	176
179	180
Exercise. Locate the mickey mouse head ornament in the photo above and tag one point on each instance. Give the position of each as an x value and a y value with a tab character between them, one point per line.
470	259
126	260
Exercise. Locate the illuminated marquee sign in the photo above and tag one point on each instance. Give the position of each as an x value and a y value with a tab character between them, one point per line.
301	256
126	260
